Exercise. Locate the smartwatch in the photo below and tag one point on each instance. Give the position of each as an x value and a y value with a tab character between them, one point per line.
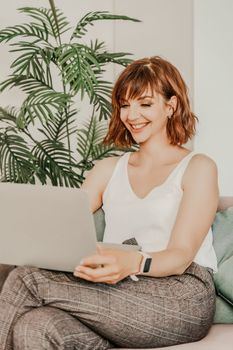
145	263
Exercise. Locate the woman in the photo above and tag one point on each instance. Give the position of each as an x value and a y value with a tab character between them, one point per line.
162	197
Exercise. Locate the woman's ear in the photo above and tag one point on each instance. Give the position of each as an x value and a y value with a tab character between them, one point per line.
172	103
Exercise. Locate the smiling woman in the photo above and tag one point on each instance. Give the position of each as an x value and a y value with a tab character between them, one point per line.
151	83
146	115
162	197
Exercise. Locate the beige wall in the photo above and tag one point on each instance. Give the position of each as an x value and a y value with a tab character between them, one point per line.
213	72
166	29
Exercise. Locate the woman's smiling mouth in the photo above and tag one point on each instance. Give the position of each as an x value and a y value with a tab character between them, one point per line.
138	127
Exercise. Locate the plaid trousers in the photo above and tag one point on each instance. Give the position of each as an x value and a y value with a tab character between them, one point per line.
41	309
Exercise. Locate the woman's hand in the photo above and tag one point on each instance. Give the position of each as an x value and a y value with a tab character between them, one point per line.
108	265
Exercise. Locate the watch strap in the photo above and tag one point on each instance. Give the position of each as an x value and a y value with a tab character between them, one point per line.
145	262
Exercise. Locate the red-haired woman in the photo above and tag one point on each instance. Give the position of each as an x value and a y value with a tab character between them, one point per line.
163	197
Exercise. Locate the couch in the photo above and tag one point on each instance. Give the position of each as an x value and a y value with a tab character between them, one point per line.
221	332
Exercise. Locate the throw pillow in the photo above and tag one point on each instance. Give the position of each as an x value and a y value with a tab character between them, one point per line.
99	224
223	245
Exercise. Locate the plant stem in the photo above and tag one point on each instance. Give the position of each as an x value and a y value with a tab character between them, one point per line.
90	143
53	8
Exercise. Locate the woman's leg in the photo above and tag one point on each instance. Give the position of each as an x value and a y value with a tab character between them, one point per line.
148	313
49	328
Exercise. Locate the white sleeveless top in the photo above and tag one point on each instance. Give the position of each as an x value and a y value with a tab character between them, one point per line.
150	219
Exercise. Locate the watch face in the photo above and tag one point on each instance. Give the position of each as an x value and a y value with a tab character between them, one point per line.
147	265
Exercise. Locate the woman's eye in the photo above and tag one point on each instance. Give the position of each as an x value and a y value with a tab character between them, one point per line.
145	104
124	106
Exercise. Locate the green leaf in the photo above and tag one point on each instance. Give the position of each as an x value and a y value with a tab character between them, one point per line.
79	65
42	101
45	19
16	163
43	105
60	126
24	30
90	17
30	62
90	138
53	158
100	96
8	114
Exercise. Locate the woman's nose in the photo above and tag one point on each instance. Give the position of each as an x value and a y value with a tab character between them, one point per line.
133	113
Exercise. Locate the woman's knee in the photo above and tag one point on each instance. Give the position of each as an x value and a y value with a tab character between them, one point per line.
50	328
18	276
39	329
20	272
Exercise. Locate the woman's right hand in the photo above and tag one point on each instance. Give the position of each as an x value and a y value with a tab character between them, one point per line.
109	265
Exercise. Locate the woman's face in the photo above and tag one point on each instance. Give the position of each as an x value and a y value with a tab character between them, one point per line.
146	116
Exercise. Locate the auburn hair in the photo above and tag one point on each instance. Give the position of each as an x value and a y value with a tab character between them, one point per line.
162	77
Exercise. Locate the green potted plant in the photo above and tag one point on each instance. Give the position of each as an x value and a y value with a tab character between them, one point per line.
36	139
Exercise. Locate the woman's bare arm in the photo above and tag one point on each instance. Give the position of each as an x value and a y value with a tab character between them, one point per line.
97	180
195	216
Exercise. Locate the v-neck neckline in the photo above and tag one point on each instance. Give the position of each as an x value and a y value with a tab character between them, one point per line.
157	187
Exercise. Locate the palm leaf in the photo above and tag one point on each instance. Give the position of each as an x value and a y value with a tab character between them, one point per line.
42	101
79	66
90	17
53	158
45	18
90	144
87	136
100	96
8	115
30	62
42	105
90	138
24	30
16	160
56	128
104	56
101	151
118	58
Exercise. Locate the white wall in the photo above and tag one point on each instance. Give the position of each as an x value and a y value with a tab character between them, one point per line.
213	77
166	29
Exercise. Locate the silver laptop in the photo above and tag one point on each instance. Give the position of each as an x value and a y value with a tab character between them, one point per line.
46	226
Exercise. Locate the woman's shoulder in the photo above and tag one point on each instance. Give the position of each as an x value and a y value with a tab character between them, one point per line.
103	169
201	167
201	160
107	163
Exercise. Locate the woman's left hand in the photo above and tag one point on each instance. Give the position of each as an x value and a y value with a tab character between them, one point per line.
108	265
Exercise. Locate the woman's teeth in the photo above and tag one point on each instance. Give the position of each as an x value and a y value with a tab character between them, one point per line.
138	126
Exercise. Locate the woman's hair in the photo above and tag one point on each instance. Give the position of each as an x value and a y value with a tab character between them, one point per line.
162	77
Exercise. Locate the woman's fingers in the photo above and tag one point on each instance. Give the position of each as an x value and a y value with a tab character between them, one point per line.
98	260
102	267
113	279
99	272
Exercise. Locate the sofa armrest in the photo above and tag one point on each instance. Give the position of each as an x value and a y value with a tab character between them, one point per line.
4	271
225	202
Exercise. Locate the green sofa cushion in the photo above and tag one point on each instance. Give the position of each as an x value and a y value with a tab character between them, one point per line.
223	312
223	244
99	224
